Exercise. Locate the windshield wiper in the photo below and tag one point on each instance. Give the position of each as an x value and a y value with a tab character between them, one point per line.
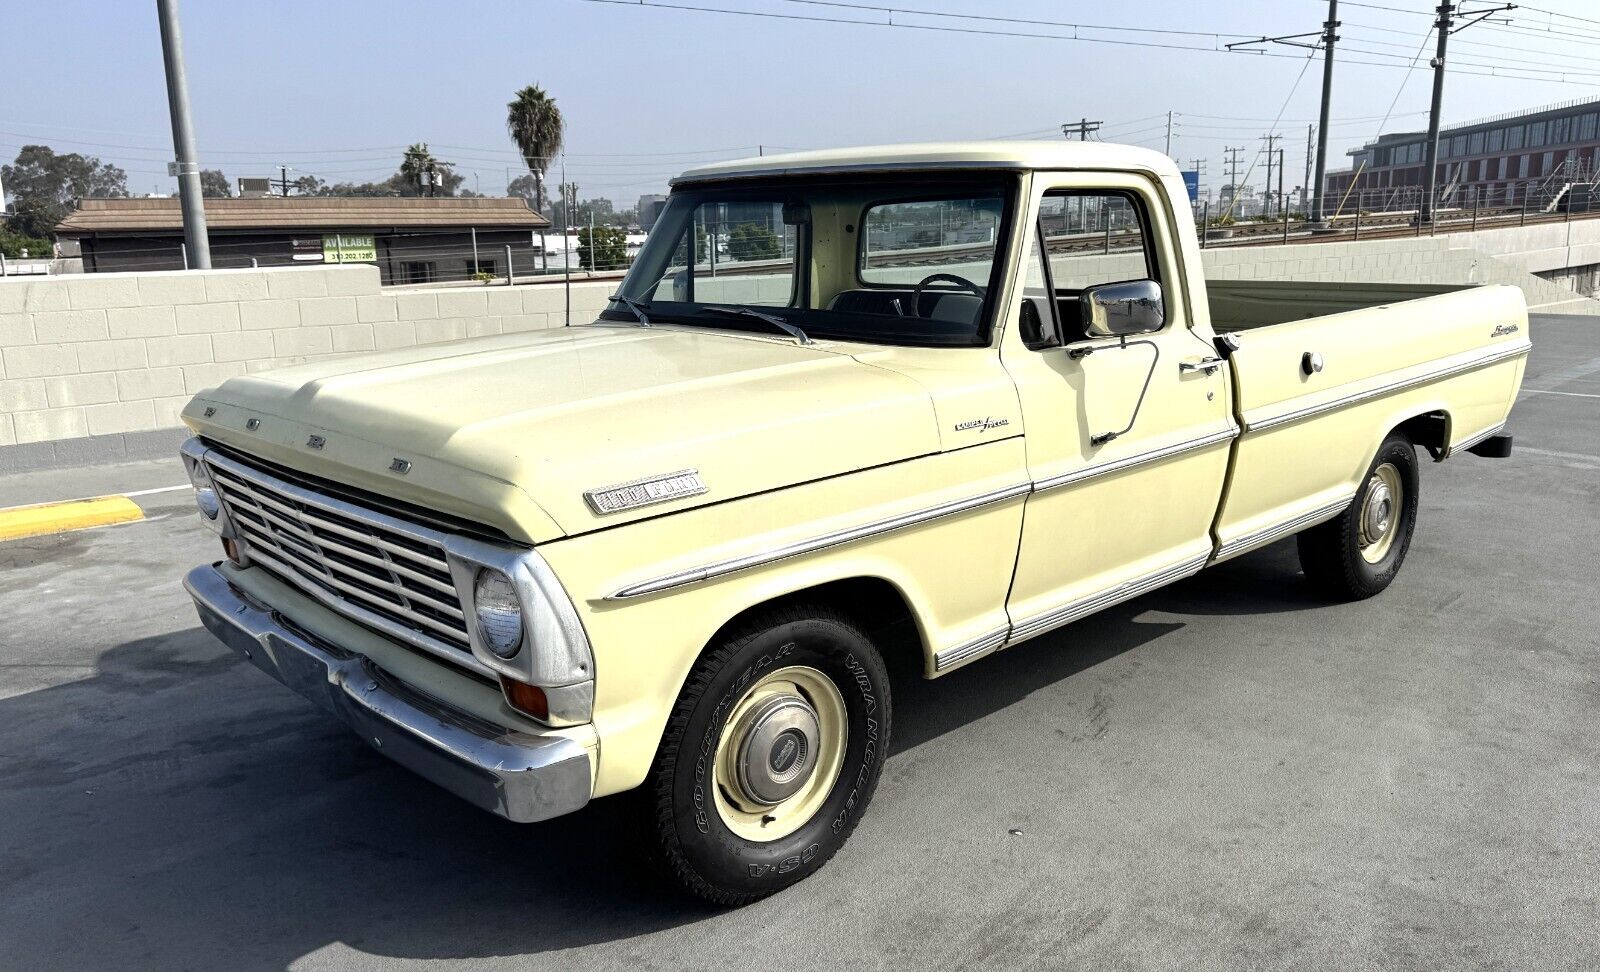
773	319
638	307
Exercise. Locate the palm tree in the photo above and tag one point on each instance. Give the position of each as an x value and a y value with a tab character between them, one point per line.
534	123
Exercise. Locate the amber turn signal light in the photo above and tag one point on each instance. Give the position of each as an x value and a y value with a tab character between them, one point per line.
231	549
527	699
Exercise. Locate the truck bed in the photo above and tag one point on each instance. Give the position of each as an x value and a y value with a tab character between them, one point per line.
1241	305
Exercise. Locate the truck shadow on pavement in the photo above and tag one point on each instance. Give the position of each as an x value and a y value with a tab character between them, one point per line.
177	810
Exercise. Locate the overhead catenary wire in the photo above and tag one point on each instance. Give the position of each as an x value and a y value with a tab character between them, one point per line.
1234	200
1399	90
1392	60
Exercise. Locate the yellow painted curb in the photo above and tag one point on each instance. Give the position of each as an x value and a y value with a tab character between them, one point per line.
32	521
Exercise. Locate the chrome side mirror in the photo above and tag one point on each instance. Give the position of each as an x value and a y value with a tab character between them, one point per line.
1121	309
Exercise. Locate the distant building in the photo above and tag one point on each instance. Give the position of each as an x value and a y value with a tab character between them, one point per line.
650	208
1529	157
411	240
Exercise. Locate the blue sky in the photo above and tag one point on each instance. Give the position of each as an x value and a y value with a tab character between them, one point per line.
338	88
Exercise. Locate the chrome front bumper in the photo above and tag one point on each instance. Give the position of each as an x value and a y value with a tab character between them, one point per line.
520	776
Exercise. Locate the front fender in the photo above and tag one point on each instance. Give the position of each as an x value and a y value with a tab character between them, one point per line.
952	570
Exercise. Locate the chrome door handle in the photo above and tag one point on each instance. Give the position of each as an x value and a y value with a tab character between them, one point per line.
1207	365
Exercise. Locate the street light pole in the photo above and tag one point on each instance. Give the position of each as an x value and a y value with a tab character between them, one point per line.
196	241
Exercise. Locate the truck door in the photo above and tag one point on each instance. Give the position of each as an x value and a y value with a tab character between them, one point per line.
1127	438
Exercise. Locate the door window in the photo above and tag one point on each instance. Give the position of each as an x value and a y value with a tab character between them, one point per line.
1091	238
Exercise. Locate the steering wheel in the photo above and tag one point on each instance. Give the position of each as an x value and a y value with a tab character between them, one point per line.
959	281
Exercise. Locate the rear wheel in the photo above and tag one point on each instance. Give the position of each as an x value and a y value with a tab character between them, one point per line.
771	754
1358	553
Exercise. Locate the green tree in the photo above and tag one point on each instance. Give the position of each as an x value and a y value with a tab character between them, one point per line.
408	181
752	241
607	250
419	163
535	125
15	246
45	187
213	184
523	187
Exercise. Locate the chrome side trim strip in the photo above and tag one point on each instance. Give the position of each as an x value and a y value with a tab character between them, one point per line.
1471	441
978	646
696	574
1127	590
1261	538
1394	386
1130	462
720	568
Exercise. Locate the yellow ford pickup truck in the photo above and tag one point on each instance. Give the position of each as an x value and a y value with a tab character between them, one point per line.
919	401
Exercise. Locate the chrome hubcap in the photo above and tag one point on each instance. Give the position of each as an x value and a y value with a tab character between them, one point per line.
1379	507
780	753
775	745
1380	512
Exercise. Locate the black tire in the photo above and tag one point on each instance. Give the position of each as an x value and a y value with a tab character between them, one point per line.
1331	552
693	845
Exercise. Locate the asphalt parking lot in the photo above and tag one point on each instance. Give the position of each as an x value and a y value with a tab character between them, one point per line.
1226	774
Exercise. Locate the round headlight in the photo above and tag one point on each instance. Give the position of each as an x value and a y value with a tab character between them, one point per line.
499	612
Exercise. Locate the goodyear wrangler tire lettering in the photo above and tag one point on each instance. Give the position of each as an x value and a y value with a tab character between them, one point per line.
804	658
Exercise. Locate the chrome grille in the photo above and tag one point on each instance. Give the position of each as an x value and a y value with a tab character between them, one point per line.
366	565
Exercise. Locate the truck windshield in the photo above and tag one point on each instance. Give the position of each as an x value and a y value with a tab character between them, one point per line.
908	261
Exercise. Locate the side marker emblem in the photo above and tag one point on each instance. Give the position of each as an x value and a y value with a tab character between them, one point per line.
644	492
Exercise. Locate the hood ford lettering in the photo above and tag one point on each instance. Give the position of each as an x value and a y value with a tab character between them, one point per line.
401	466
316	442
644	492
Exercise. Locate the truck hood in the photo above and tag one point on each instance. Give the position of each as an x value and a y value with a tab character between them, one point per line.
512	430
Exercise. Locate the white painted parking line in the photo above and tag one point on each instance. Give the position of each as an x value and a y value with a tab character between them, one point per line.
1554	454
172	489
1539	391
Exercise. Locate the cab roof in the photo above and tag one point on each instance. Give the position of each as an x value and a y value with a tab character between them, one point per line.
1000	155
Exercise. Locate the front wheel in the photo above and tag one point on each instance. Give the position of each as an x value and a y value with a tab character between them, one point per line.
1358	553
771	753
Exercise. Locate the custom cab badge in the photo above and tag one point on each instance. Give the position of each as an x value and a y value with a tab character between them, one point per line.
1501	330
644	492
982	425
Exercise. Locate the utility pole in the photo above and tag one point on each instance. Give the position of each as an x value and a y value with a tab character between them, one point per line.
1271	140
1081	128
1442	26
1169	134
283	180
1431	159
1232	165
196	241
1330	37
1306	185
1283	205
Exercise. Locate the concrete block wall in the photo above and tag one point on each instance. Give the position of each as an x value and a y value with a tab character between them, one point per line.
90	362
117	353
